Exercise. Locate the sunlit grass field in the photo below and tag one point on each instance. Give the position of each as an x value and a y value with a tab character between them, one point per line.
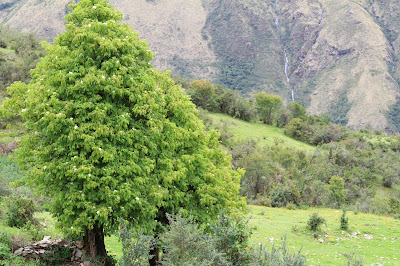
374	238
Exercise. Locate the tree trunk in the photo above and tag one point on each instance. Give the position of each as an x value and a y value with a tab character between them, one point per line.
93	242
154	261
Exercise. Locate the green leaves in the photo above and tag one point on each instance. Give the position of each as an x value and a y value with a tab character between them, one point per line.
108	137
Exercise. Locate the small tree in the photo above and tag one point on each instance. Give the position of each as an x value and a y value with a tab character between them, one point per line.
267	104
203	94
337	187
108	137
344	221
297	110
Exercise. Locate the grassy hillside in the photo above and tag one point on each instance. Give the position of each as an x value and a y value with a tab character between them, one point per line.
262	133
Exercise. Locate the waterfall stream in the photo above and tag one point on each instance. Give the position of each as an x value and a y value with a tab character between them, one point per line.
394	55
283	49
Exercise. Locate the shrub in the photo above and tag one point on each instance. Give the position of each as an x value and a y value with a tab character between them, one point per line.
187	244
387	182
9	173
344	221
19	211
231	236
315	222
34	229
136	247
380	205
394	206
277	256
5	246
265	201
284	195
353	260
57	256
336	186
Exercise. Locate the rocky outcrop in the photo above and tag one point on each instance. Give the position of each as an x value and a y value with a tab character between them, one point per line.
57	251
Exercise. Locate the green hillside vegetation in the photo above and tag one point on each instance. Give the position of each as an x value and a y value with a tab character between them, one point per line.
356	169
264	135
19	53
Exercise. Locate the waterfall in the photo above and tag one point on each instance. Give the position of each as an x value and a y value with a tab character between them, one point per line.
283	49
393	57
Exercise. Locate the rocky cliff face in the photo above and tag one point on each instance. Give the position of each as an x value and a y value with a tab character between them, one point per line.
334	56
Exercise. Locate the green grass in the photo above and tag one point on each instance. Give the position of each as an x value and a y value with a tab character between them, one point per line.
264	134
272	223
6	51
113	245
382	249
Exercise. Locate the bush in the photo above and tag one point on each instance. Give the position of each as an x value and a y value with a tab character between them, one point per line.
337	187
136	247
380	205
5	246
9	173
283	195
387	182
265	201
315	222
34	229
19	211
187	244
277	256
353	260
344	221
57	256
394	206
232	236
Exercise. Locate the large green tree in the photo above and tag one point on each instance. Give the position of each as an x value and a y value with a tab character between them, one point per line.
108	137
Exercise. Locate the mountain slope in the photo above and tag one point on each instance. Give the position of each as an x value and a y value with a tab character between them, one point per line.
338	57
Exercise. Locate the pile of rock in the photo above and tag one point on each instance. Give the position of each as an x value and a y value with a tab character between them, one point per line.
46	248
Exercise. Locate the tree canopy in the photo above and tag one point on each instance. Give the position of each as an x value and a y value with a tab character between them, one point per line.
106	136
267	104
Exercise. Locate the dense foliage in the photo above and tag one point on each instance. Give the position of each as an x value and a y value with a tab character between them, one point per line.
108	137
267	105
351	172
218	99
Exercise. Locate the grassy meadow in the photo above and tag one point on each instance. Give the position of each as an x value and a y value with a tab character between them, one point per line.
375	239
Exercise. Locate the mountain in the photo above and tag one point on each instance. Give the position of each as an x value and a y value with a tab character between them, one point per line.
335	56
